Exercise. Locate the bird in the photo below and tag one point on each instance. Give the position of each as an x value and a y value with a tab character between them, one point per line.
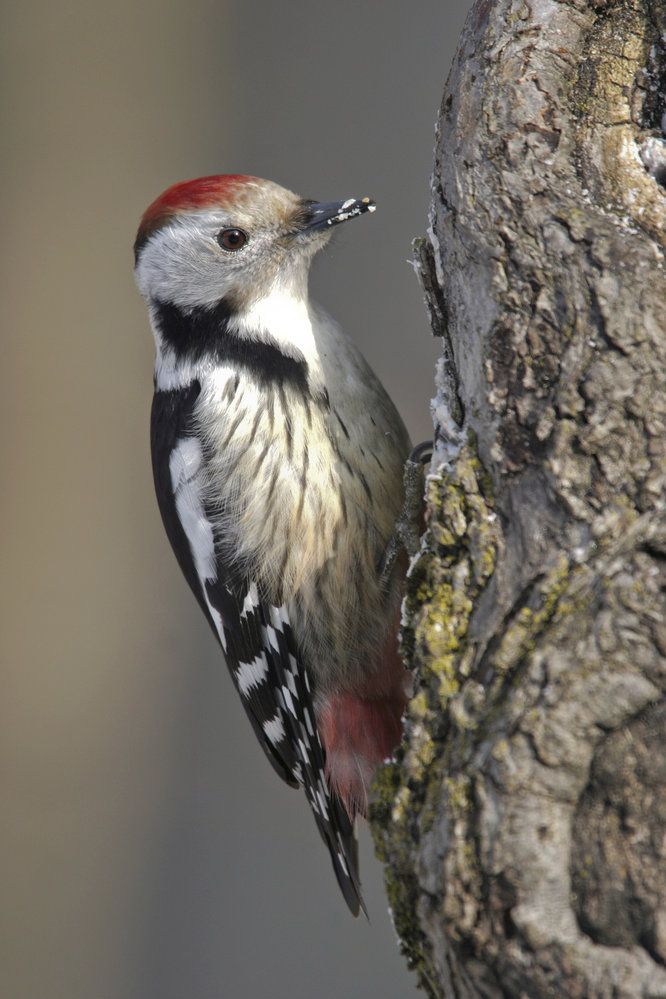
278	467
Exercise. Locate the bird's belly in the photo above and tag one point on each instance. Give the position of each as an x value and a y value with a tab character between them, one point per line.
293	510
292	521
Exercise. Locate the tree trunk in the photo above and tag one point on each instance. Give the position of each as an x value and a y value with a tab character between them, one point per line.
523	825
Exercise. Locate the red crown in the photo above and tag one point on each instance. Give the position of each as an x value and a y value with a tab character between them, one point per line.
188	195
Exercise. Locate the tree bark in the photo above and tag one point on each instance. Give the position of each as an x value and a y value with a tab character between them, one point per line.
523	824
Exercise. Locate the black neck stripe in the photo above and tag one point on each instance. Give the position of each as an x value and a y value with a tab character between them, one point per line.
203	333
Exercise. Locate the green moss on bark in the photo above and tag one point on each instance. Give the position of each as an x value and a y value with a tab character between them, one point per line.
412	794
458	558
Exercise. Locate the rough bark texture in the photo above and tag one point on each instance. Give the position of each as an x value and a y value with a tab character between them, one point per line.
523	825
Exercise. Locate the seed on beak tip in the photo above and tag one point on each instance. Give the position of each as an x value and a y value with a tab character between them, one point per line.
324	214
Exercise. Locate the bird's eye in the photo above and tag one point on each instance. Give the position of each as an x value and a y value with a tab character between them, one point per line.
232	239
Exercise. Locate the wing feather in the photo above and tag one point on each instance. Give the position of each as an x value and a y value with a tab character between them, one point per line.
256	636
278	692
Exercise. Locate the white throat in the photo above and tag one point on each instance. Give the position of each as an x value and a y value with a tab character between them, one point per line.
286	318
282	316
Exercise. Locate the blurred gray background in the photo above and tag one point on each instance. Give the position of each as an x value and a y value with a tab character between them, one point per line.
147	849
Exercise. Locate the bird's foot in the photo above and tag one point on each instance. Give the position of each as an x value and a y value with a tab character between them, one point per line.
409	526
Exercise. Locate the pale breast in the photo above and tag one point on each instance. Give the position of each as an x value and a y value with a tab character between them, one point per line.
305	490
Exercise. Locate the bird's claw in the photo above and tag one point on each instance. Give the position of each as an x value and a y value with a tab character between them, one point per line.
407	532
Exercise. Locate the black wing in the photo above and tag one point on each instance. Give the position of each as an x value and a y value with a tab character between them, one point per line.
256	637
274	685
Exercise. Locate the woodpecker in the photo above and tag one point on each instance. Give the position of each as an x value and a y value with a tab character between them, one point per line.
278	464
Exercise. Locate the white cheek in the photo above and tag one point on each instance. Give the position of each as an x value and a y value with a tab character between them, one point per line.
183	264
180	264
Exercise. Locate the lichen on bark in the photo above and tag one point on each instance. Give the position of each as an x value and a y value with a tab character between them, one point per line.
520	823
457	559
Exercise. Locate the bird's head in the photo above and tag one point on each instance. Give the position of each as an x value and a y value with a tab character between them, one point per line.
232	237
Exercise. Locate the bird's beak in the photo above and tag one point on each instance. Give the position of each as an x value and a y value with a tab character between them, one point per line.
321	215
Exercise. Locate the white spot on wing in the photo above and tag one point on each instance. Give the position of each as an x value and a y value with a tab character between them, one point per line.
251	600
343	863
291	683
250	675
272	637
274	729
279	617
289	704
185	463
